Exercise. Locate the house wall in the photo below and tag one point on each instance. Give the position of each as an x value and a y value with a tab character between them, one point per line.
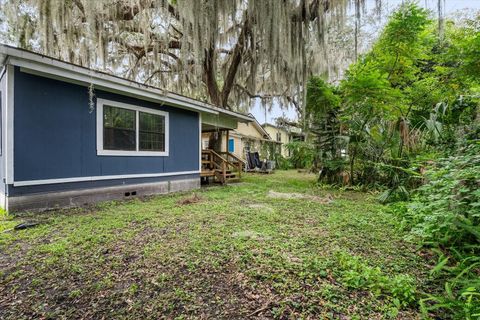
246	133
55	138
285	137
239	147
239	142
248	129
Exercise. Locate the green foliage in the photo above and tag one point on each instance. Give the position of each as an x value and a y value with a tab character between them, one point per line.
410	95
366	90
408	106
3	214
445	214
269	150
322	111
463	51
301	154
446	210
396	36
321	98
379	97
356	274
283	163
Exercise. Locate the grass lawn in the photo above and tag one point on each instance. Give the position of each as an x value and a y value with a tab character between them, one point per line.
272	246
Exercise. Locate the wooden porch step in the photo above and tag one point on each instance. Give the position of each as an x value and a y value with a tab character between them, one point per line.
207	173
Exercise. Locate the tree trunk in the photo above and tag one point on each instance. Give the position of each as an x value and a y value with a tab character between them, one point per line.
210	77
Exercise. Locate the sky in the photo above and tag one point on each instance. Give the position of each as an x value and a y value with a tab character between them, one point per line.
451	6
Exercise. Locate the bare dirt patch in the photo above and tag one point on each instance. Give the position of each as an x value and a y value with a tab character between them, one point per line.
293	195
194	198
260	206
249	234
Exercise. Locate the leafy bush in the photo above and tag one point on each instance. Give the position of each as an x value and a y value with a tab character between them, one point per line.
282	162
446	210
302	154
357	274
445	215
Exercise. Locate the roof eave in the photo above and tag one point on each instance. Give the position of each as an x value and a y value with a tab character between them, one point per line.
47	66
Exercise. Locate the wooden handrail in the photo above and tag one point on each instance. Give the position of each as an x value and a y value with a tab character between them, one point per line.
240	162
233	156
223	162
218	156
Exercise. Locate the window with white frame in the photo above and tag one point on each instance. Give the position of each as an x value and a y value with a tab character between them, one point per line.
129	130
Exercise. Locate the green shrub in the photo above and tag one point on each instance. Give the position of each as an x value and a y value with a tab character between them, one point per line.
446	210
402	288
356	274
283	163
445	215
301	154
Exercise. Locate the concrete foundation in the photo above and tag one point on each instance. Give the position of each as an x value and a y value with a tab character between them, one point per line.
75	198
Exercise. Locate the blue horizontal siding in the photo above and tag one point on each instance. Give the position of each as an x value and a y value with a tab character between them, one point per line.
55	134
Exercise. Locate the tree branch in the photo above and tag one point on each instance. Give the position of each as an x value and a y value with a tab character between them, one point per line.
236	58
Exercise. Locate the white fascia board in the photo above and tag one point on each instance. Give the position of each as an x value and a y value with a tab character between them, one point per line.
50	66
236	115
108	83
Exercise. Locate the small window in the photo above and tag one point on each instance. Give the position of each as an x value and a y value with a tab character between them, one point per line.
128	130
231	145
279	136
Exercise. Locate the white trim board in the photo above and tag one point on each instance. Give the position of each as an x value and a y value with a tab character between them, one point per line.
53	68
200	141
100	178
8	124
134	153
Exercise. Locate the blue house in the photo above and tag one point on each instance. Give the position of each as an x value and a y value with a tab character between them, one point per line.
71	135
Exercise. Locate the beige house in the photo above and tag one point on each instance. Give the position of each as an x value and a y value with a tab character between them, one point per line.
246	137
284	133
280	135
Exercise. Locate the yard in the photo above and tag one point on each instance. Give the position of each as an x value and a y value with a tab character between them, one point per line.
272	246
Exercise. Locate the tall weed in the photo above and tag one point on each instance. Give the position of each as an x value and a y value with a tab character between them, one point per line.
445	215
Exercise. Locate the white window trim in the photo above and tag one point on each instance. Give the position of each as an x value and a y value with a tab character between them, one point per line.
134	153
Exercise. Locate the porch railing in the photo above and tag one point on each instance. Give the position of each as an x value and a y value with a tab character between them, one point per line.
221	164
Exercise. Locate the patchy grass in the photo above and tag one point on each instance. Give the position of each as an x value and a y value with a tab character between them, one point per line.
222	252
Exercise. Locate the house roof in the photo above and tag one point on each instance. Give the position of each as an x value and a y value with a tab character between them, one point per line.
57	69
266	124
260	128
289	128
246	136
